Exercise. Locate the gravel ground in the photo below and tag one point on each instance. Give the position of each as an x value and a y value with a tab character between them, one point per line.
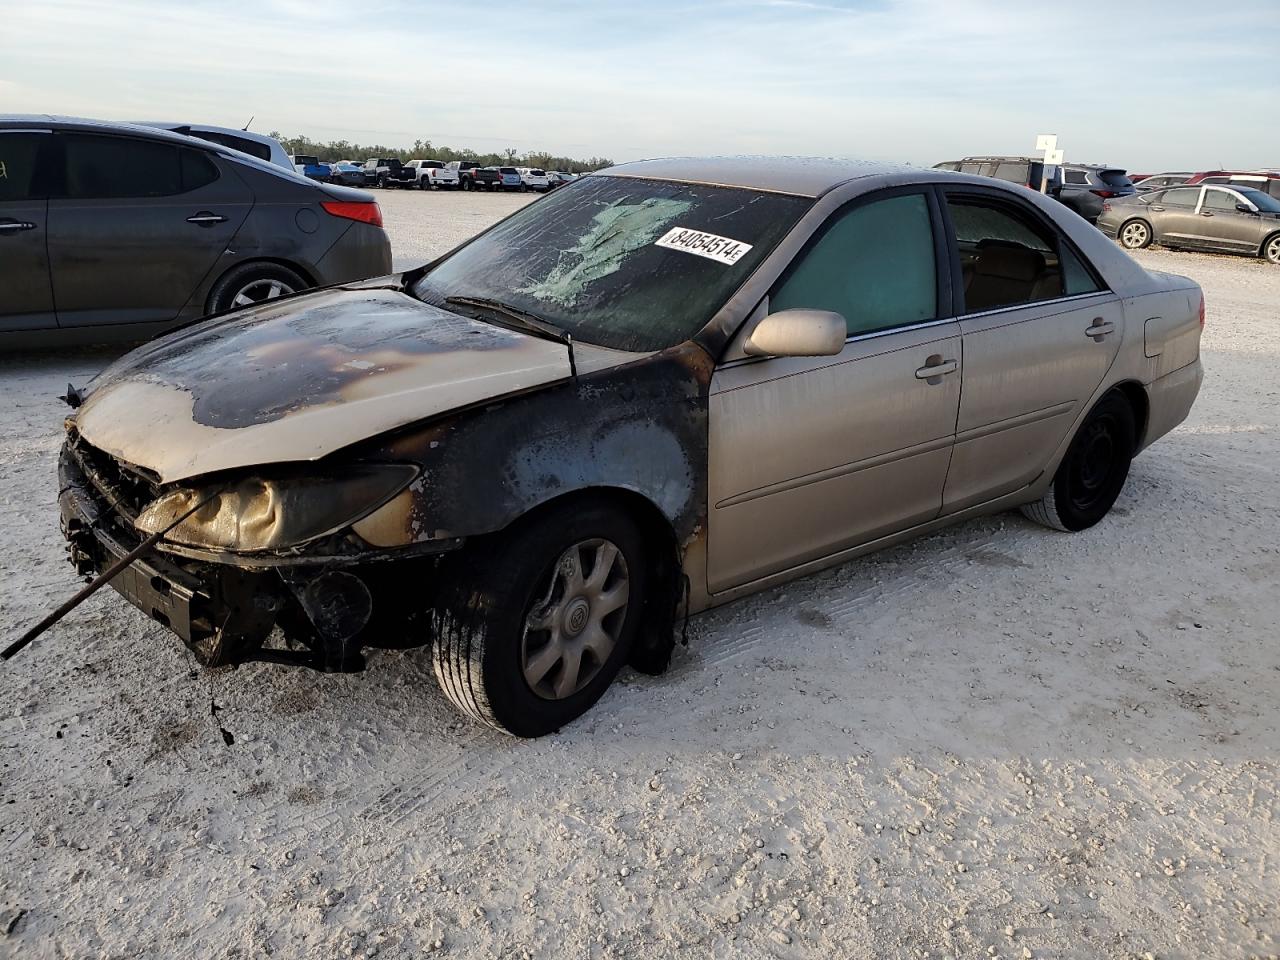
998	740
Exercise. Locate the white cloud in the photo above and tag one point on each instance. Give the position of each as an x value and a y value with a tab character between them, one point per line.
920	80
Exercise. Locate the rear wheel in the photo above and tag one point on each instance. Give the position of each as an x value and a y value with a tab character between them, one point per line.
1271	249
1093	472
466	184
1135	235
531	630
253	283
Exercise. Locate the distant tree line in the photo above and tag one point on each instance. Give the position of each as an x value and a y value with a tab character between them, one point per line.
425	150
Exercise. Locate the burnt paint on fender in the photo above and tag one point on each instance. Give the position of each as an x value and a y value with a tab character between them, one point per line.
640	427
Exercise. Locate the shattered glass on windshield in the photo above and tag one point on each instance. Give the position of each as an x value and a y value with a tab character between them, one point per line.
617	230
587	259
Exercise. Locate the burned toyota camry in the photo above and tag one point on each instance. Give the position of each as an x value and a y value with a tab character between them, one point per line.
658	389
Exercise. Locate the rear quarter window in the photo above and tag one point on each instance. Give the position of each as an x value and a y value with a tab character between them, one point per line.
1013	172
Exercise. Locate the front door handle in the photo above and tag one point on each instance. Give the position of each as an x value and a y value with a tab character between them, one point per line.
1100	329
206	219
16	226
935	368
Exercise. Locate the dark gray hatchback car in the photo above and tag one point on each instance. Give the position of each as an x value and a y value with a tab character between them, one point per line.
113	231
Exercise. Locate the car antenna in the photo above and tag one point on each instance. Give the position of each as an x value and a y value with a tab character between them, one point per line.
246	126
145	547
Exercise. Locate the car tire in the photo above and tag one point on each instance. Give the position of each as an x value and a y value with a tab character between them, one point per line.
466	185
1134	234
1094	470
382	183
514	616
424	184
253	283
1271	248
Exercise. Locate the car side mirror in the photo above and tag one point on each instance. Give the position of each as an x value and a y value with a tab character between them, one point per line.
798	332
1246	207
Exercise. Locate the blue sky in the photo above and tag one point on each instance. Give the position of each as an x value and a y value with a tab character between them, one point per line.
1143	85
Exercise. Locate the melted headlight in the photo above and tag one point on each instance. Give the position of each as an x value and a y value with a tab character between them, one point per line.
259	513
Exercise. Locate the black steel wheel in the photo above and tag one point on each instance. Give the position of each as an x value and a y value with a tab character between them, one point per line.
1094	470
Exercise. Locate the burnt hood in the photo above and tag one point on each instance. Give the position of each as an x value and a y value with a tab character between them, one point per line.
301	378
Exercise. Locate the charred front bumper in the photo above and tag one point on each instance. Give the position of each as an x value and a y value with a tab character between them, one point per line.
220	612
224	612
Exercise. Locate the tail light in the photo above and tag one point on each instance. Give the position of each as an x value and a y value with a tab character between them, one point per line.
365	212
1201	309
1105	194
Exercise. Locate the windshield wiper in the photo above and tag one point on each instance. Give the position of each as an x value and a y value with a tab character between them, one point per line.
524	320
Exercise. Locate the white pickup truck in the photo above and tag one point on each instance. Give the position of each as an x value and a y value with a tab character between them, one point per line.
425	175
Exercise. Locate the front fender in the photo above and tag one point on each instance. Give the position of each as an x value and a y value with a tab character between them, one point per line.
640	427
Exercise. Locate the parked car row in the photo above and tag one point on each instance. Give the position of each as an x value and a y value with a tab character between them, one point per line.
1080	186
1220	211
459	175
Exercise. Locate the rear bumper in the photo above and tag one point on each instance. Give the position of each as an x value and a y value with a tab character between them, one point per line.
1171	398
362	252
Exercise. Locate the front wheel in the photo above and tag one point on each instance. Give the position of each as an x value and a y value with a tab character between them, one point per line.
1271	249
1093	472
1135	235
530	630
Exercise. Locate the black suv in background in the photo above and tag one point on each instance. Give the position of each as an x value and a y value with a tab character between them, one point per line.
1086	186
1027	171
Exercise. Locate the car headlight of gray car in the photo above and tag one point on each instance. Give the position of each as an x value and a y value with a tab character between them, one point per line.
262	513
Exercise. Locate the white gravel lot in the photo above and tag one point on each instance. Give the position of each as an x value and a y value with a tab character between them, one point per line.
998	740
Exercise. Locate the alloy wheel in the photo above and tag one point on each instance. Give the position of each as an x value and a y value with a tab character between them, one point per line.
1273	249
1135	235
571	631
259	291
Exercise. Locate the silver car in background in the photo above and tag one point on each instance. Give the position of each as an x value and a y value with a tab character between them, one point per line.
1205	217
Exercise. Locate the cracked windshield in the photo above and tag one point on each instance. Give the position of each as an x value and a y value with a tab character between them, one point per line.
620	262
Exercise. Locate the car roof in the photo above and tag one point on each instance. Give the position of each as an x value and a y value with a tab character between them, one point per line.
801	176
47	121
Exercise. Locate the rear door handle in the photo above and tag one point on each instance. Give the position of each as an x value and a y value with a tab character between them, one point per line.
16	226
206	219
935	368
1100	329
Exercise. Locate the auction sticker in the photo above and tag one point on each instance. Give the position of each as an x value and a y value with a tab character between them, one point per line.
720	249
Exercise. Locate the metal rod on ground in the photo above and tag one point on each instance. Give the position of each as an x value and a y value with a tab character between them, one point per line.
102	579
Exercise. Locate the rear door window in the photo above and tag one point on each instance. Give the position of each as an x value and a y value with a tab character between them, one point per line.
1220	201
1007	257
1186	197
109	168
874	265
20	170
1075	176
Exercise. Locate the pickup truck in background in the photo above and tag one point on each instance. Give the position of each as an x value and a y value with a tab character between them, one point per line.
472	176
426	175
311	167
378	170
